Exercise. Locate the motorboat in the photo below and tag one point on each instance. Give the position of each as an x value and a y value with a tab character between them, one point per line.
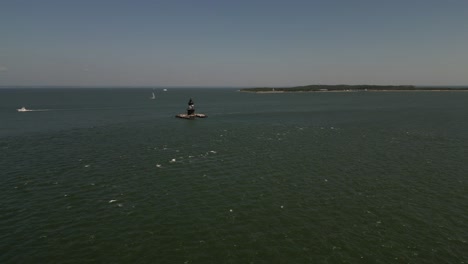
23	109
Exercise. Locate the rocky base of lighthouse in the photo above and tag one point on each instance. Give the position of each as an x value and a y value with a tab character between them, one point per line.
192	116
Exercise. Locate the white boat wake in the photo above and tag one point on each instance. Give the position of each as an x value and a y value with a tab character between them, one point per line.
24	109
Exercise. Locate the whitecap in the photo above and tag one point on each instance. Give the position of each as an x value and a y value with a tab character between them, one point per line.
111	201
173	160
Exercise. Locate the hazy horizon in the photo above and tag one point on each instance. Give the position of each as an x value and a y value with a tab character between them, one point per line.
233	44
197	86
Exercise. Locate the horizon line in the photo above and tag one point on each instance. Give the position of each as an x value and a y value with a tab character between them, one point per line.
204	86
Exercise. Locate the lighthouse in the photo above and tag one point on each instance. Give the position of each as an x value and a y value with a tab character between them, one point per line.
191	112
190	108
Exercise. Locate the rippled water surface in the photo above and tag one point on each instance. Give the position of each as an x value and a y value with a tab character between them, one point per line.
110	176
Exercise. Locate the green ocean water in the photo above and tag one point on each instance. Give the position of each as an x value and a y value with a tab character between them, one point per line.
110	176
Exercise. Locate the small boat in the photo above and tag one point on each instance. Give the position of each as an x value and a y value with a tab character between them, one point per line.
153	97
165	90
23	109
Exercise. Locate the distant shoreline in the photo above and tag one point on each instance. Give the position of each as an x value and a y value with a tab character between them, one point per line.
351	88
354	91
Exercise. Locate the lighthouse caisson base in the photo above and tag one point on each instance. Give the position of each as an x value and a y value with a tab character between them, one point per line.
192	116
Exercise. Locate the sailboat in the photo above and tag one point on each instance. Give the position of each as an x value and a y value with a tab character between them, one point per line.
153	97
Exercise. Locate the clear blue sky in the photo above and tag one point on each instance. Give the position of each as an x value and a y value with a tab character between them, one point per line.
233	43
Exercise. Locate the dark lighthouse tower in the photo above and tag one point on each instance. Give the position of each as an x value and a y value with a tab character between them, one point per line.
190	108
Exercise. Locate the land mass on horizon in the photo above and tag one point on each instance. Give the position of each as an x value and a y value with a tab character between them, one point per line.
348	88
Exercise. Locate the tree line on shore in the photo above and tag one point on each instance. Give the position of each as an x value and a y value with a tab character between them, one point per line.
344	87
